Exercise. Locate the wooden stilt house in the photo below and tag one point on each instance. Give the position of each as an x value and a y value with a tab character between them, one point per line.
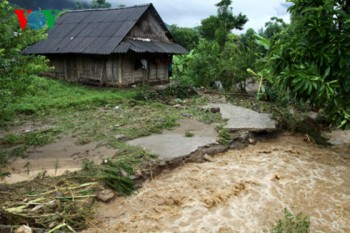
116	47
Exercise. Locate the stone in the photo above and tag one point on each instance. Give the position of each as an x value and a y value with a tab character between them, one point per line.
105	195
277	177
252	141
215	149
237	145
208	158
120	137
187	115
178	106
214	110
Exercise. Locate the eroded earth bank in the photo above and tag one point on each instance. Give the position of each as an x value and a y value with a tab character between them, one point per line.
242	191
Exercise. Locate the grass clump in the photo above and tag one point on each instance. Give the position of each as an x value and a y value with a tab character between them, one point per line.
189	134
292	223
224	136
115	175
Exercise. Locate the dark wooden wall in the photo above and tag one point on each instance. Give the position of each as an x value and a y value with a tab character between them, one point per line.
113	70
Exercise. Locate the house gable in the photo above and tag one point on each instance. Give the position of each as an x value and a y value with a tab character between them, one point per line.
148	27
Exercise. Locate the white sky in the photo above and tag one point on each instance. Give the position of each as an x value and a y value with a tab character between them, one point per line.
189	13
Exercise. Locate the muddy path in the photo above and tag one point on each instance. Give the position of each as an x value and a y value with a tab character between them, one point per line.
241	191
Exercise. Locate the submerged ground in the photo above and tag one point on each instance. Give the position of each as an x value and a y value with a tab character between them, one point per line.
241	191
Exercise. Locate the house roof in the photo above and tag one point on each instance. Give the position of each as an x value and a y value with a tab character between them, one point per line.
101	32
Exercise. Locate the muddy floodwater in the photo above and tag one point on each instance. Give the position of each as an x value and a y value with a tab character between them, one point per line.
241	191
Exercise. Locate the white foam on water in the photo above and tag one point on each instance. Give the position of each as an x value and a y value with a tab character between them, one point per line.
241	191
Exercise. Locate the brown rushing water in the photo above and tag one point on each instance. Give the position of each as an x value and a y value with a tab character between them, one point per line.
241	191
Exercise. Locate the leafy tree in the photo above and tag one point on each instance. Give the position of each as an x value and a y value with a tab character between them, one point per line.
204	65
16	69
99	4
245	56
227	21
187	37
219	27
207	63
78	5
222	57
274	27
311	59
208	27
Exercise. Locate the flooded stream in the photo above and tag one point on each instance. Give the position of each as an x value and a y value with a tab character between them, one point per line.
241	191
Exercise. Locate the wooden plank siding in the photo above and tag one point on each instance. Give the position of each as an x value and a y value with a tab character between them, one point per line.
112	70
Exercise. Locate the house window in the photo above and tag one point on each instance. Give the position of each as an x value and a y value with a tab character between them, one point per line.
141	64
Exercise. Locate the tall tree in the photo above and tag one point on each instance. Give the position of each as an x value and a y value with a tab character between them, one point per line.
273	27
222	24
187	37
208	27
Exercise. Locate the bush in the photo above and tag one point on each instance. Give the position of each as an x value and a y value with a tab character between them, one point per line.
292	223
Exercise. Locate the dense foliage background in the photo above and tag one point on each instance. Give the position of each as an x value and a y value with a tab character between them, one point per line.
306	62
16	70
310	60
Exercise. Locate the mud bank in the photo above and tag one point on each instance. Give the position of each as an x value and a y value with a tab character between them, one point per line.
240	191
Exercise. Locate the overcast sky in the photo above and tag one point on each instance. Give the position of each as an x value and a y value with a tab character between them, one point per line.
189	13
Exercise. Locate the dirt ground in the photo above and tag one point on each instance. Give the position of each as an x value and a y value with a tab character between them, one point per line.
241	191
56	158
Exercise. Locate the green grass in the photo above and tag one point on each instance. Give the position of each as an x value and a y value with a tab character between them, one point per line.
292	223
50	94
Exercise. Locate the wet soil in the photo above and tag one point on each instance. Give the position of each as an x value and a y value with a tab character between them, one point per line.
241	191
63	155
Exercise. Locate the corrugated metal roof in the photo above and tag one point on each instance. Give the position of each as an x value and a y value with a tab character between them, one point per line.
122	47
100	31
140	46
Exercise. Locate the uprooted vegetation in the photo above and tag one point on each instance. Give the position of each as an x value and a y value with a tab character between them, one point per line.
67	201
